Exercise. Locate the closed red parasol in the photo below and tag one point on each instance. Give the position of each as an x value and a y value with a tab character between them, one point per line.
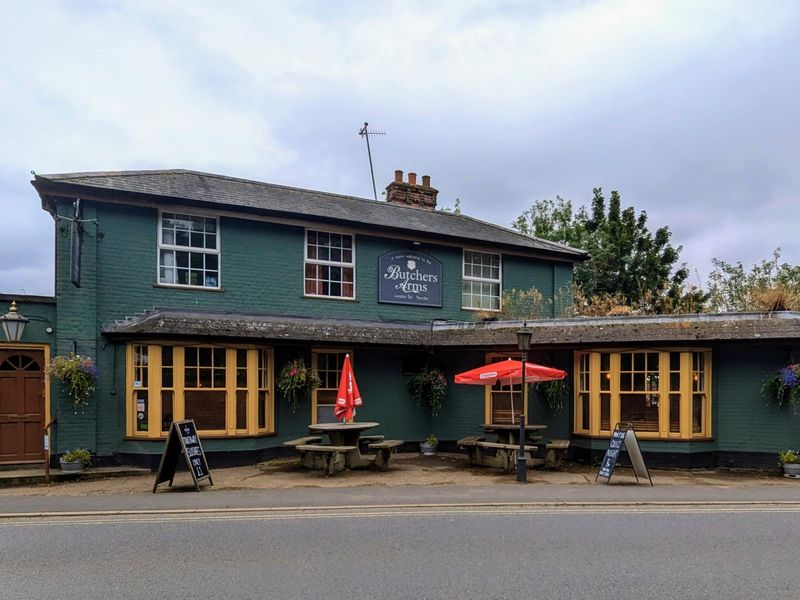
348	397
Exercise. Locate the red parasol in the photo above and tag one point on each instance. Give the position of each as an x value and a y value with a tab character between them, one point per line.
348	397
509	371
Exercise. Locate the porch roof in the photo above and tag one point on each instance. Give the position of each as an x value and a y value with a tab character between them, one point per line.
180	323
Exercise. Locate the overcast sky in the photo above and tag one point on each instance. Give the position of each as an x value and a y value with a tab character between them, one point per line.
689	109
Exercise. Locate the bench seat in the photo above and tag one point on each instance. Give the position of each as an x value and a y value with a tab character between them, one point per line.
500	446
555	451
325	448
384	448
470	440
558	444
311	439
384	444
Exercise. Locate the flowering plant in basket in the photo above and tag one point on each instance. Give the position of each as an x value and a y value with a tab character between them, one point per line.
78	375
783	386
297	379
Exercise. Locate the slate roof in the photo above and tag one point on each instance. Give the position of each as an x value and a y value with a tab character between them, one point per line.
701	328
196	188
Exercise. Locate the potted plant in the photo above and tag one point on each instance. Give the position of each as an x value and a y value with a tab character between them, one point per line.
790	460
297	380
429	387
78	375
428	447
75	460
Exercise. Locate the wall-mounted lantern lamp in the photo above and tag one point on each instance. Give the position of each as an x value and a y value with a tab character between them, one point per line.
13	324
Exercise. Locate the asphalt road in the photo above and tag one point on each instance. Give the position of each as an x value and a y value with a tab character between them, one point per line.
579	552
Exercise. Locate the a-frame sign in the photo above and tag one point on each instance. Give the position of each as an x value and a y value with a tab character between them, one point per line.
623	438
183	439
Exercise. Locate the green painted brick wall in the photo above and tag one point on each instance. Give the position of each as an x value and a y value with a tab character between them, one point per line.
262	272
41	315
744	421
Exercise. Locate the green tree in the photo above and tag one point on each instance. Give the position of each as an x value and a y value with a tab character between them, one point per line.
627	260
769	285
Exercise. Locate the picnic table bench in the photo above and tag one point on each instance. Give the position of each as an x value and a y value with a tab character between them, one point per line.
555	452
365	440
498	454
309	439
384	448
331	459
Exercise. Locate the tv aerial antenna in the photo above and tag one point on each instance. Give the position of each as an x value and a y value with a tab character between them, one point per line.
365	133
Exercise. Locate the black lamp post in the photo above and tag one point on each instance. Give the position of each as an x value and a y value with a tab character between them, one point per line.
524	344
13	324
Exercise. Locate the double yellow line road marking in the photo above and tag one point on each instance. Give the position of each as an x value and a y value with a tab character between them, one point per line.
147	516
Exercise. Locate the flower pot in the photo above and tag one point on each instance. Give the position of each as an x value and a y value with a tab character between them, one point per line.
791	470
427	449
71	466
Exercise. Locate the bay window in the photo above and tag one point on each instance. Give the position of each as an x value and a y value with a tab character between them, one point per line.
664	393
226	390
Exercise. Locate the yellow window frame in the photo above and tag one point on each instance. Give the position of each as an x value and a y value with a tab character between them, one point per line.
686	391
154	388
315	352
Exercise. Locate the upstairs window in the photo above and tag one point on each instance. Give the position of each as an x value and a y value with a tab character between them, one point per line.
481	281
329	265
188	250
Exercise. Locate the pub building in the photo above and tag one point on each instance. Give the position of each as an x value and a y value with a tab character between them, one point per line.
191	291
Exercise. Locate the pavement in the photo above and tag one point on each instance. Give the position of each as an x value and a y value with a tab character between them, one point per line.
412	481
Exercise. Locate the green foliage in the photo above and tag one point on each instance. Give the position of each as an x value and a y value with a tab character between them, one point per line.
626	258
517	305
432	440
297	380
428	387
769	285
78	375
553	393
789	457
76	455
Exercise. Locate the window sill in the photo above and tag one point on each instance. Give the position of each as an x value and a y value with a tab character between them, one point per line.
334	298
643	436
191	288
206	436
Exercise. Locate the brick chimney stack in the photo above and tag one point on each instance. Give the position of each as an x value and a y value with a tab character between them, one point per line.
411	194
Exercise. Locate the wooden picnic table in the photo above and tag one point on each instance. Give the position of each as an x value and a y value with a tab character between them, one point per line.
345	448
509	434
502	452
346	435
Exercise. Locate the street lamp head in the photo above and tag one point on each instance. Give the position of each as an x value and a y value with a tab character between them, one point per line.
524	336
13	324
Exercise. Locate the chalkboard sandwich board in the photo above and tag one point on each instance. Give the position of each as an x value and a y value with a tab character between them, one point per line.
183	439
623	438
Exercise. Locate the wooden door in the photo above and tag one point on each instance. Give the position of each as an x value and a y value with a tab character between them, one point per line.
21	406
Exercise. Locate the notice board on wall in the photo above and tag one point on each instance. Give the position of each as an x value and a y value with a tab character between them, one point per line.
623	438
183	440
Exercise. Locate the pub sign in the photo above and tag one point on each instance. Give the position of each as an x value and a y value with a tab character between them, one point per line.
409	278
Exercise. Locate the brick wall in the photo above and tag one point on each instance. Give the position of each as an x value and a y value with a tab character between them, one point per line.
262	272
